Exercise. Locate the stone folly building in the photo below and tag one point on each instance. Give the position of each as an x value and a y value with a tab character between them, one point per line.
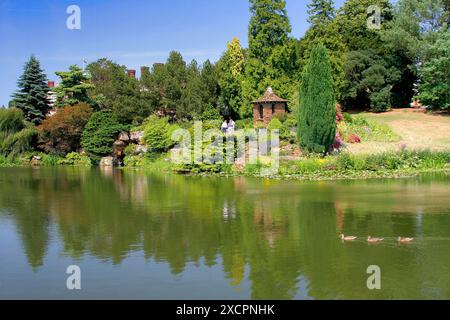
267	107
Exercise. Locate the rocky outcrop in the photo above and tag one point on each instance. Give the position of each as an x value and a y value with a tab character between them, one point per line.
137	137
107	162
123	140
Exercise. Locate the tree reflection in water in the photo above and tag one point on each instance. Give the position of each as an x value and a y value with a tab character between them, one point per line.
275	235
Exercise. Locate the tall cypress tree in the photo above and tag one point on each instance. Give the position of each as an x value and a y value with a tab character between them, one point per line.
32	96
317	114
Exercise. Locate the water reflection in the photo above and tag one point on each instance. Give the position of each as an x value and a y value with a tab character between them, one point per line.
280	237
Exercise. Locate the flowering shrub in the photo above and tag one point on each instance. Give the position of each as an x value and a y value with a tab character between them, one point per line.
338	144
353	138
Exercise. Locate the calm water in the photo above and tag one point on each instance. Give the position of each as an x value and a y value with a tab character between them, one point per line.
147	236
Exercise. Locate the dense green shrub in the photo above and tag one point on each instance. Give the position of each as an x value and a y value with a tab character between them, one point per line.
275	124
11	120
244	124
16	135
75	159
100	133
158	134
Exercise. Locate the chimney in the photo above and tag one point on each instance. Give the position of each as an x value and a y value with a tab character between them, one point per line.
51	84
131	73
144	70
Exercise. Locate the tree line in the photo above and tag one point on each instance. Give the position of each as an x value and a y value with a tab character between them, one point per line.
376	69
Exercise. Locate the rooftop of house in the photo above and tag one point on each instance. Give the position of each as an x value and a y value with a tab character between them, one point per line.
269	97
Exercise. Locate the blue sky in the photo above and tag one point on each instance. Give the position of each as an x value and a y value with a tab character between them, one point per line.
131	32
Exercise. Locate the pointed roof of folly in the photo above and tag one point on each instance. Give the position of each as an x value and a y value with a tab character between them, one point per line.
269	96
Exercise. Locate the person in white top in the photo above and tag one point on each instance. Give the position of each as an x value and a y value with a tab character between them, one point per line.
231	126
224	127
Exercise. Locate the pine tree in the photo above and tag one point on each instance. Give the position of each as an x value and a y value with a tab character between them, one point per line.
321	12
269	27
73	88
32	96
317	114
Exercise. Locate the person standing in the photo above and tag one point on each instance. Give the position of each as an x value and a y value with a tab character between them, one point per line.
224	127
231	126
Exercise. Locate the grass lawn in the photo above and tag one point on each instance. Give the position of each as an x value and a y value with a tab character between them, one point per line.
416	131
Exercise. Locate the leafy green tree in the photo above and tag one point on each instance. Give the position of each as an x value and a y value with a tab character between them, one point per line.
434	88
369	80
114	90
73	88
32	96
317	114
100	133
191	102
324	30
210	90
231	73
413	31
173	82
352	21
272	55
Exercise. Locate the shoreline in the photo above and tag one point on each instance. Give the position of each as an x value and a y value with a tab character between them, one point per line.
312	176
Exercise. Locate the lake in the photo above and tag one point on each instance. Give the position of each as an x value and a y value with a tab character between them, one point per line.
138	235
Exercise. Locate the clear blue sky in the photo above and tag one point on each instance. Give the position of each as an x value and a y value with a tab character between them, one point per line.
131	32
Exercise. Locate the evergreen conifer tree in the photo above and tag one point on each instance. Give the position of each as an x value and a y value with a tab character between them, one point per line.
32	96
317	114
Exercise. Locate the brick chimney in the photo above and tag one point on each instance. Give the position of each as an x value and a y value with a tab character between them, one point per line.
51	84
131	73
144	70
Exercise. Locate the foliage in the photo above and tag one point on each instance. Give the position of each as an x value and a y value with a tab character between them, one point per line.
367	130
75	159
272	55
324	30
61	133
158	134
231	72
435	74
16	135
11	120
369	81
15	144
100	133
115	91
244	124
361	165
32	96
317	114
73	88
